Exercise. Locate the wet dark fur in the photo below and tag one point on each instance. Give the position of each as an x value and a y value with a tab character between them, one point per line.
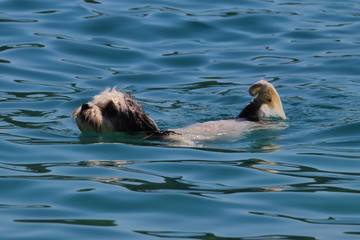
132	119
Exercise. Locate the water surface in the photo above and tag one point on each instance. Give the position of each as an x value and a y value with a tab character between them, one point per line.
185	62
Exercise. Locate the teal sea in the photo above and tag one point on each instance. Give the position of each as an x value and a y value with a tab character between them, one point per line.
185	62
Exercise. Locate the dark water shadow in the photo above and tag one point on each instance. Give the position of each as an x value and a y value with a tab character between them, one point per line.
83	222
132	176
211	236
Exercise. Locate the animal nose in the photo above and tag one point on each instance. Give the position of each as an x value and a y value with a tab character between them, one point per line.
85	107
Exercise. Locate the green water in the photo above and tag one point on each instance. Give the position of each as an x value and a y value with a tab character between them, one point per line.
185	62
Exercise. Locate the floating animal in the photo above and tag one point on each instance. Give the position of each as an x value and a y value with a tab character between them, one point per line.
115	111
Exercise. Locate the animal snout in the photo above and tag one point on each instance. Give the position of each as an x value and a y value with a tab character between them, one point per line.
85	107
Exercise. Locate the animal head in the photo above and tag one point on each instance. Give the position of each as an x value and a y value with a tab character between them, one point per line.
113	111
266	95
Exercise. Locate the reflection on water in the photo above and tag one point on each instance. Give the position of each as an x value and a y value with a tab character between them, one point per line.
329	220
200	235
131	175
85	222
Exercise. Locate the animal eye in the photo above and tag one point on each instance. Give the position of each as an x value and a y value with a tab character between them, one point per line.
269	100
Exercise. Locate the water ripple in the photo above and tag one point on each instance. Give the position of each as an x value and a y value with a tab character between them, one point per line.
185	62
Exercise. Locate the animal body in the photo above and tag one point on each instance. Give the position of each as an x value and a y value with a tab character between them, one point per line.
115	111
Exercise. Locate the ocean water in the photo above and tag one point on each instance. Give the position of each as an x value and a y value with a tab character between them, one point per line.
185	62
